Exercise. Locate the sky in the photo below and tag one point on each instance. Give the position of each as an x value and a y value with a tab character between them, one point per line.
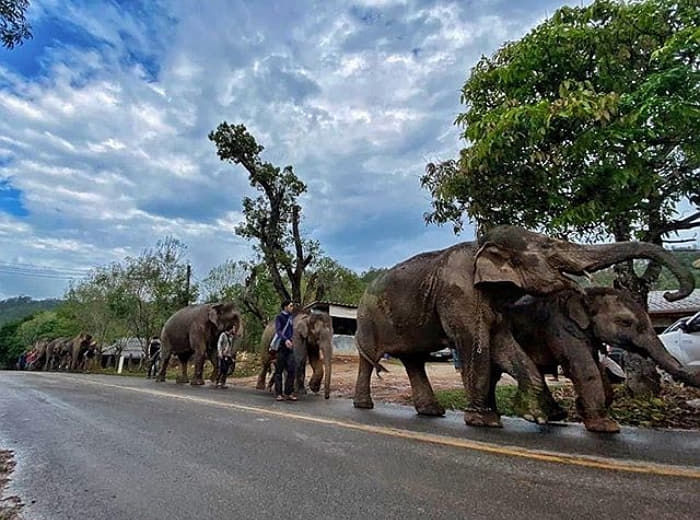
104	117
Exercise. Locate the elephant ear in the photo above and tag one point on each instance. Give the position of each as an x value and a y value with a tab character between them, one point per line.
577	311
301	327
495	264
214	310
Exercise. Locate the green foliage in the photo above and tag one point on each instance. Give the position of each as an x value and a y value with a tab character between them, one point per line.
14	309
589	124
14	28
457	400
335	283
46	325
10	344
134	297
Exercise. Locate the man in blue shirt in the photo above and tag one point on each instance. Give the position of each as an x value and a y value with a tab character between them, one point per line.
285	353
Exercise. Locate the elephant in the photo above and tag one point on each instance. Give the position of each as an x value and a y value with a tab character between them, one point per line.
569	328
76	348
194	330
456	295
52	355
313	334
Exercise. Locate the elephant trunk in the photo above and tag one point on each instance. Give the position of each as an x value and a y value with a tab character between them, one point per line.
658	353
596	257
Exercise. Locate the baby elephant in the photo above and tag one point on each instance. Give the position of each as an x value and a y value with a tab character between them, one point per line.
313	336
568	329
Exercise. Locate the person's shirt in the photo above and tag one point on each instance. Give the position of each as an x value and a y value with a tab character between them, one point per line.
153	347
283	330
225	345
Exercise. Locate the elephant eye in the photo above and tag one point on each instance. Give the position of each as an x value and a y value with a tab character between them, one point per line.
624	322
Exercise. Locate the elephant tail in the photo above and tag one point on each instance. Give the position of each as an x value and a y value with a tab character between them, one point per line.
376	364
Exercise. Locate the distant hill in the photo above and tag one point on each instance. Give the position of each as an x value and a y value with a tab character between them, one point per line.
14	309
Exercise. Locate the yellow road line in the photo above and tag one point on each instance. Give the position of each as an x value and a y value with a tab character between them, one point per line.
443	440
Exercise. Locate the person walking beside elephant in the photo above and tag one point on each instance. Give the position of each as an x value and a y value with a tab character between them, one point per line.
226	356
153	356
284	332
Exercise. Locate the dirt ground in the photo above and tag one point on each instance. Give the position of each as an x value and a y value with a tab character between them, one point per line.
393	387
9	507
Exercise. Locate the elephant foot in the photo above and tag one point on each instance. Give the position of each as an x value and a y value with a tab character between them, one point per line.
602	425
432	410
181	380
198	381
482	417
366	404
530	408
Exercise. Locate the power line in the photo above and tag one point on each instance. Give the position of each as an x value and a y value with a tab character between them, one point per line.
44	269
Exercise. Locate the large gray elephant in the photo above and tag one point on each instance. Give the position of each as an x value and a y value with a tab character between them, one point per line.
54	354
456	296
313	335
568	329
194	331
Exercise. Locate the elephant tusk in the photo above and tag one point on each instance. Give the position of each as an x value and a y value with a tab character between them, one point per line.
587	275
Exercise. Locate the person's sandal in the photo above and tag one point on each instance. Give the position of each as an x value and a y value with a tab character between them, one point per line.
280	398
292	397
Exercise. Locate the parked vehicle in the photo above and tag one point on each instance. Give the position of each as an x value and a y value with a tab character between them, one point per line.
444	354
682	340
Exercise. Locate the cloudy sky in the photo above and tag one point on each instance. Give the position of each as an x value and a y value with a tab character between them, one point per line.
104	118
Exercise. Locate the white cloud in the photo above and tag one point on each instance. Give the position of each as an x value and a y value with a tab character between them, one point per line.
106	137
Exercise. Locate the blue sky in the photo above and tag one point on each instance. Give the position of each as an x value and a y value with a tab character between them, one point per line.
104	118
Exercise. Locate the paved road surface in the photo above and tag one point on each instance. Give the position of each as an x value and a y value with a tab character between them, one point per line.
100	447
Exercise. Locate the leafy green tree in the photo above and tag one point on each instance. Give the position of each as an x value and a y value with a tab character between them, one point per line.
273	218
334	282
14	28
11	346
46	325
588	125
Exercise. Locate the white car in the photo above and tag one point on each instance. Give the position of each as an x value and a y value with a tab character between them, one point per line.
682	340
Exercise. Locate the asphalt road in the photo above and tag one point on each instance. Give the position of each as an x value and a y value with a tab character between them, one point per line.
100	447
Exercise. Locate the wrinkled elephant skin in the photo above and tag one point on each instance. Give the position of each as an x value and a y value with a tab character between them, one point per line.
456	296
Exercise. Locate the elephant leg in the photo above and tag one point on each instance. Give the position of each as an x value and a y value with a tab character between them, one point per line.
461	326
300	355
317	370
366	346
183	377
590	403
164	360
423	397
532	402
264	370
198	379
214	360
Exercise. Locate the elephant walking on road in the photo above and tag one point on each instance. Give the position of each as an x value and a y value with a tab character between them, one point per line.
194	331
457	295
569	328
313	335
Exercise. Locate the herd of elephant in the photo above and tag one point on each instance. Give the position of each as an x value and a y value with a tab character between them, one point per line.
64	353
507	303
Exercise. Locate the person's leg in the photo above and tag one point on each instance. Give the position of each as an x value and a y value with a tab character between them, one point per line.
280	365
290	365
225	365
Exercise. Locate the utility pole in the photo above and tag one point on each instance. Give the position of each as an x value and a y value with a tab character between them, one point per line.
187	285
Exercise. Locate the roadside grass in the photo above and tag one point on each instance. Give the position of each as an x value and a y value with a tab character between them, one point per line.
247	364
669	410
